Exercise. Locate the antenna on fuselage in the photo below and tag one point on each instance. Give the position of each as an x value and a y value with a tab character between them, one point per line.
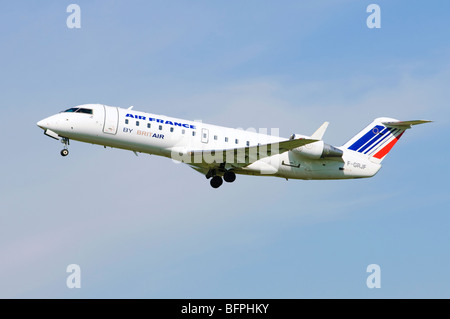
130	107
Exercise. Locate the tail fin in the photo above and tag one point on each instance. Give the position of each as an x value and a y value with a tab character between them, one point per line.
379	137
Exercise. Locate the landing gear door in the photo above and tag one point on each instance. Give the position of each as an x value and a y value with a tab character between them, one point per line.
205	135
111	120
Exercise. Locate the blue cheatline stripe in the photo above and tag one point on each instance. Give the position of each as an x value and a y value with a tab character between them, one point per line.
363	140
376	138
388	136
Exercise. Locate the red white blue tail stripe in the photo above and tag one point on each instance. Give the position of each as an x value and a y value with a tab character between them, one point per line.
378	141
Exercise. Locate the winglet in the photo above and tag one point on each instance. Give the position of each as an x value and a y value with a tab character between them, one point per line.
317	135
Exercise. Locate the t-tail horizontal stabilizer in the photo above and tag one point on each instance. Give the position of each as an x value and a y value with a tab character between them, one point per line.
405	124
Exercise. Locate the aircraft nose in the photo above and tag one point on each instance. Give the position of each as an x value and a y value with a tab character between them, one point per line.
42	124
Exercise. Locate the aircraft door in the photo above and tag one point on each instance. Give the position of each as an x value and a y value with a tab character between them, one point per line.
205	135
111	122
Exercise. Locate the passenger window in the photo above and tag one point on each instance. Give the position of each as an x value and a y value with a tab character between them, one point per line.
215	137
137	123
193	133
204	135
226	139
160	127
236	141
183	131
248	143
148	125
171	129
126	121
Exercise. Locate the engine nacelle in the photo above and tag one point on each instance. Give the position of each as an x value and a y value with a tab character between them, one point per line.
317	150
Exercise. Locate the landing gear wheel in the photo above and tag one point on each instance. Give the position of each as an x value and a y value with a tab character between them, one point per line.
229	176
216	181
66	142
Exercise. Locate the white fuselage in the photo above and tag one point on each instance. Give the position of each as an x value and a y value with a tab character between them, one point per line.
167	136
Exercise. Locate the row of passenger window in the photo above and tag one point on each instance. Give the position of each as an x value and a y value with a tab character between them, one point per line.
160	127
183	131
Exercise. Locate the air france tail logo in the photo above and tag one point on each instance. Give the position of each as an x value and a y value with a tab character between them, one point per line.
151	119
375	139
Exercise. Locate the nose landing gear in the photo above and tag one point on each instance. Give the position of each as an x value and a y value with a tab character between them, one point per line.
65	151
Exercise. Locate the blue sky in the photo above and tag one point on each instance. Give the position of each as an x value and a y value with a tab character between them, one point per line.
144	227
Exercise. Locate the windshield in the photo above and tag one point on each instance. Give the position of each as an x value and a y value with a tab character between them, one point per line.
78	110
72	110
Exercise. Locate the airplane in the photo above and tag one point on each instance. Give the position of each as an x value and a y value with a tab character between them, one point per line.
220	153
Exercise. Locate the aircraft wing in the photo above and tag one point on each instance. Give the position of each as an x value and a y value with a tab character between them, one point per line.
243	156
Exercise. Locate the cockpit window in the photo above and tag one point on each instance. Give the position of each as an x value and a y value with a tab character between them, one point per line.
86	111
72	110
78	110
